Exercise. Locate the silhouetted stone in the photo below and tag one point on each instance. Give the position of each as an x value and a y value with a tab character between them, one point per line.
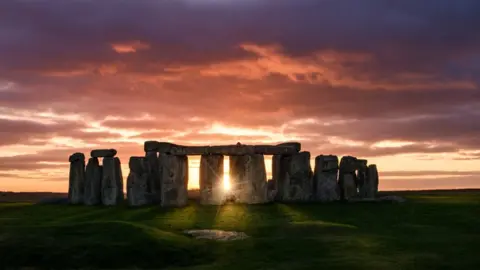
76	179
174	176
103	153
325	178
212	189
248	179
295	178
137	180
347	178
112	181
154	181
76	156
93	182
372	181
276	170
362	180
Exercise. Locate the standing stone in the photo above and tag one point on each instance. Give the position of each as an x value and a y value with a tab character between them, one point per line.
295	178
211	180
347	178
76	179
93	182
112	181
248	178
137	193
154	181
362	181
325	178
372	179
276	170
271	190
174	175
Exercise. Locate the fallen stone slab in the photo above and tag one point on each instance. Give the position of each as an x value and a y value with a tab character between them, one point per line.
389	198
103	153
392	198
217	235
53	201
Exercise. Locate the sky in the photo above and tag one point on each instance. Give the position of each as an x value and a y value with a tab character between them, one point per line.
395	82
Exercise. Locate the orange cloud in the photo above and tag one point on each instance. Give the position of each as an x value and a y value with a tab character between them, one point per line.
130	46
329	67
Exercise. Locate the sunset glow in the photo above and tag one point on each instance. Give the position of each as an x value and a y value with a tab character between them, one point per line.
406	102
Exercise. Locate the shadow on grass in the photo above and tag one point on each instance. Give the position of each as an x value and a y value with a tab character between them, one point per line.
100	244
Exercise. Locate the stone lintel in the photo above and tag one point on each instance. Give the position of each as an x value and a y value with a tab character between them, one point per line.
229	150
103	153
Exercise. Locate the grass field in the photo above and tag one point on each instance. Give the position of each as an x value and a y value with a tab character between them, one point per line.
432	230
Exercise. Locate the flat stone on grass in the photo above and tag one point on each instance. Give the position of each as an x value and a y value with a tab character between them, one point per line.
217	235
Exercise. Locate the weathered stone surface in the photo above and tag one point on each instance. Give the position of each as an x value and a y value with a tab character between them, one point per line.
271	190
103	153
347	177
218	235
76	181
295	178
76	156
174	176
93	182
238	149
212	190
154	180
362	180
248	178
112	181
372	180
137	182
276	170
325	183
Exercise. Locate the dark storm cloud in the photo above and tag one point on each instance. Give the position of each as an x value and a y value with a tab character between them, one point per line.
404	35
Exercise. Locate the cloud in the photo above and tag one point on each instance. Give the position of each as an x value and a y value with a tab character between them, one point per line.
129	47
395	82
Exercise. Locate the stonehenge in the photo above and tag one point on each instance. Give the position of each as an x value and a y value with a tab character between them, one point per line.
233	150
248	178
112	181
174	178
211	180
93	182
76	181
325	178
347	179
160	177
137	182
294	178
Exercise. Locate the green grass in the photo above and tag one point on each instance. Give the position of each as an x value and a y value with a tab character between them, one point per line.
433	230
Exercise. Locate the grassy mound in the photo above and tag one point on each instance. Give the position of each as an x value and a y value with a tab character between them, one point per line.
432	230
